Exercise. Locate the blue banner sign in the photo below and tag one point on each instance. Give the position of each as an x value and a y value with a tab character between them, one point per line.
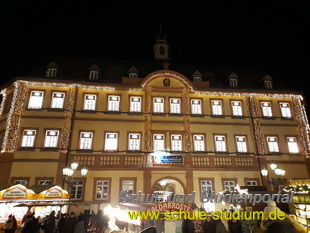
164	159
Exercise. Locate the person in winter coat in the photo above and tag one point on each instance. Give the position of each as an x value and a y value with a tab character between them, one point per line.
234	226
69	223
101	222
31	225
79	227
50	224
10	225
209	225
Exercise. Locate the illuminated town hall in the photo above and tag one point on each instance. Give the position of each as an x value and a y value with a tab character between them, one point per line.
150	126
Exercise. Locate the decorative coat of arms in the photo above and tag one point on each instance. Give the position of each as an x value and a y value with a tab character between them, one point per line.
166	82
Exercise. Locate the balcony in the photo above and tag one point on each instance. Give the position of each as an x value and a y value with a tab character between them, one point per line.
190	161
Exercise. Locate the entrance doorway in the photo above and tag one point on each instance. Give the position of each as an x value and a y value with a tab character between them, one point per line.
168	186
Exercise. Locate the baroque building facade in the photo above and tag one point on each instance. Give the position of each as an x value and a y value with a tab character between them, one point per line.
150	127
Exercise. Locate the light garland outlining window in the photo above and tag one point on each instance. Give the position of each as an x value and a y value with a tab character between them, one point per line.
13	118
186	120
4	96
19	96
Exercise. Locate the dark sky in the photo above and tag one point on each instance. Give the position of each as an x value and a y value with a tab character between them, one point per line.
270	35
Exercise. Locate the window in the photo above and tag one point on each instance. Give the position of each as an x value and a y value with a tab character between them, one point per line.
113	103
134	141
233	82
36	99
292	144
161	50
241	144
206	187
176	142
196	106
220	143
133	75
159	142
58	99
51	72
216	107
90	102
268	84
77	189
51	138
197	79
251	183
266	108
199	143
236	108
135	104
111	141
128	185
28	138
86	140
93	75
102	189
229	185
175	105
44	182
22	182
285	110
272	144
158	105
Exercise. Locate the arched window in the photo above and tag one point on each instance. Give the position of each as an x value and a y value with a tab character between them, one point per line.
161	50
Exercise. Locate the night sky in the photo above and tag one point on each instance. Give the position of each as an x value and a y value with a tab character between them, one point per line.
273	36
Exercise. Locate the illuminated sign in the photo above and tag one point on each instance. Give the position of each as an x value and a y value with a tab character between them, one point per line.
168	159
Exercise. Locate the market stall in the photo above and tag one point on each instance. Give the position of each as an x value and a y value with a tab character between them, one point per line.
53	198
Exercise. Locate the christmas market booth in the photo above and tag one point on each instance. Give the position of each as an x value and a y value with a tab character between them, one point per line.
34	200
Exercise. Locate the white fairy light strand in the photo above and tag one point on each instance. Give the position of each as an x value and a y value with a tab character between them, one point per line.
4	96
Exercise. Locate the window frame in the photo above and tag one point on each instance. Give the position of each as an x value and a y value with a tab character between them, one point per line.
163	104
51	72
268	143
109	108
171	141
246	143
58	138
232	108
213	109
287	144
262	108
105	141
130	103
200	179
96	102
30	97
128	140
98	200
52	99
93	75
92	139
289	107
227	180
179	104
134	179
200	104
34	140
164	141
225	142
76	179
203	142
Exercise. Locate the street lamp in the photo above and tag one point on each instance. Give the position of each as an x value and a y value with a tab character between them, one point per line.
68	173
280	173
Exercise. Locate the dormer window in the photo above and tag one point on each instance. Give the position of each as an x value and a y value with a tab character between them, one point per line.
133	72
197	79
268	84
93	75
233	83
51	73
197	76
233	80
133	75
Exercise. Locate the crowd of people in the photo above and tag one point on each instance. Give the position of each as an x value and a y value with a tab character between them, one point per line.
268	225
59	223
